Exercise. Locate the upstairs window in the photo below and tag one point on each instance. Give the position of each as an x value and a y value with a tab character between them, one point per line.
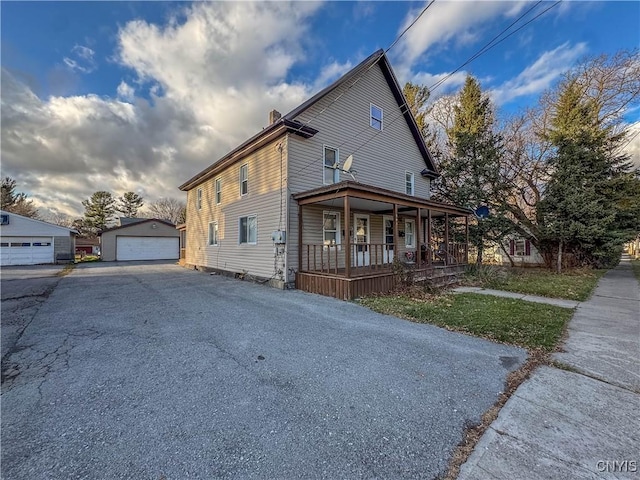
409	183
376	117
248	227
331	174
244	179
218	191
199	199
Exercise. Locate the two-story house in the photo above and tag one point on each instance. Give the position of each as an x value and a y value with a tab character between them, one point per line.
329	196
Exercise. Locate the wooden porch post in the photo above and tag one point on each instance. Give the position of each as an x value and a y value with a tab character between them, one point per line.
347	236
418	238
446	239
466	232
396	238
429	253
299	237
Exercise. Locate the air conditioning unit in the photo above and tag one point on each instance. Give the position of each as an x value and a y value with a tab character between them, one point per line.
5	219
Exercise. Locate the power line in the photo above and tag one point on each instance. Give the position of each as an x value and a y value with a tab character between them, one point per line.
368	68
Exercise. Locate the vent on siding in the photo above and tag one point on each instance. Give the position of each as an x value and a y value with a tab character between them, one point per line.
5	219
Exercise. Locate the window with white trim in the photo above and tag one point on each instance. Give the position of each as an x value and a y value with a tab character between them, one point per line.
248	230
199	199
213	233
331	228
376	115
244	179
520	247
410	233
331	159
409	181
218	191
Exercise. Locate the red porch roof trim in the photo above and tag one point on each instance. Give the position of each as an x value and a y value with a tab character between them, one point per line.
369	192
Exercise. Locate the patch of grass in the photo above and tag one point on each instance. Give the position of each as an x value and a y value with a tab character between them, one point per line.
635	265
68	268
90	258
516	322
572	285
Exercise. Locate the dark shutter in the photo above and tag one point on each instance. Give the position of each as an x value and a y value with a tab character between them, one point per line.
527	247
512	247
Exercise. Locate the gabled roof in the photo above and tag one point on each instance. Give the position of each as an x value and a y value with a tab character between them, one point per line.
42	222
288	122
131	224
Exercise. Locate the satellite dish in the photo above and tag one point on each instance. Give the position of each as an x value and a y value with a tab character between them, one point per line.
347	164
482	211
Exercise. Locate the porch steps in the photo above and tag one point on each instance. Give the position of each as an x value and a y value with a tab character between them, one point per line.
440	276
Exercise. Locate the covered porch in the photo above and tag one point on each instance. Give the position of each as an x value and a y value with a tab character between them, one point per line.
389	236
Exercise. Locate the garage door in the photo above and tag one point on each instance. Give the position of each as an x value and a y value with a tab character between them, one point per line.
26	250
147	248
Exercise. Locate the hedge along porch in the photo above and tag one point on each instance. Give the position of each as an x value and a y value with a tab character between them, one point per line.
388	230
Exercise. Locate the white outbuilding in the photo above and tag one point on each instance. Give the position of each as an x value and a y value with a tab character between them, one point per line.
26	241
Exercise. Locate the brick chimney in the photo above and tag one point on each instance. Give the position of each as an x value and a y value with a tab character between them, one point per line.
274	116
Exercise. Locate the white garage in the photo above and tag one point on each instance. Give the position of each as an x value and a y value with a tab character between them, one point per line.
26	241
141	239
147	248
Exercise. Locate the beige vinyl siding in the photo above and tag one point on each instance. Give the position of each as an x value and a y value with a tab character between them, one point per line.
383	160
386	155
263	200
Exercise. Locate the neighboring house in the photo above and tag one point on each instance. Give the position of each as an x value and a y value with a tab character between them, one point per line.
146	239
26	241
522	252
281	207
87	246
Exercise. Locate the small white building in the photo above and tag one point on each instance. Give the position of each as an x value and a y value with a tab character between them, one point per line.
26	241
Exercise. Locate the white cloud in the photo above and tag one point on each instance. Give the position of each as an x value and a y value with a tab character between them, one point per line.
213	73
541	74
446	24
125	91
330	73
632	148
84	61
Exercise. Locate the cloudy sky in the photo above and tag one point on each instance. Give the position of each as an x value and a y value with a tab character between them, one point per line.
141	96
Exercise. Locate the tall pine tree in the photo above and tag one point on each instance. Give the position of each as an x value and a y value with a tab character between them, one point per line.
471	174
129	204
580	210
99	211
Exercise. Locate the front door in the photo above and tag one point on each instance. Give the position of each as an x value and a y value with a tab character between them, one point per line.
361	240
388	240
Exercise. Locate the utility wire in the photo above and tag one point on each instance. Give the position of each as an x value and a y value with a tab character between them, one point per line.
480	52
367	70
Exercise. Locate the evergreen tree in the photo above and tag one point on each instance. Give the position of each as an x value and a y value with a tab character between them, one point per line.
99	211
582	211
471	174
17	203
129	204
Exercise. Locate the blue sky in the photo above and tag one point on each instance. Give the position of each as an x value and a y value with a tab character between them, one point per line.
140	96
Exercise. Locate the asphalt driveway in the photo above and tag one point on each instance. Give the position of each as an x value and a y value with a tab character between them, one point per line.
157	372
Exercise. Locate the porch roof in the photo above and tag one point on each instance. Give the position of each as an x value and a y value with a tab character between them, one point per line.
353	189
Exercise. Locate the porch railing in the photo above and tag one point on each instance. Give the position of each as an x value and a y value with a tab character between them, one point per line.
330	259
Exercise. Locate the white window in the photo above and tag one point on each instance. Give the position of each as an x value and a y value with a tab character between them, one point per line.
376	117
199	199
244	179
409	183
218	191
248	227
213	233
520	247
331	159
409	233
331	228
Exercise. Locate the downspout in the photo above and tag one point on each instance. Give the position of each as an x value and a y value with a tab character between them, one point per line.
285	185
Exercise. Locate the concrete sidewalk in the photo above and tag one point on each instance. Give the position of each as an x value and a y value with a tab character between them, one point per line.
559	302
568	424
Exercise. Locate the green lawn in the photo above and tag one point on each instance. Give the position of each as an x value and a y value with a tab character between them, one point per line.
516	322
571	285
